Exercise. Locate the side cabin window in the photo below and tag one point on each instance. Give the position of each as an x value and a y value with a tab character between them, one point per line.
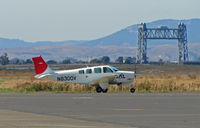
88	71
81	71
97	70
107	70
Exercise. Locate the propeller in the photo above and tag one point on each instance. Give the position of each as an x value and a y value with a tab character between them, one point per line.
135	73
135	76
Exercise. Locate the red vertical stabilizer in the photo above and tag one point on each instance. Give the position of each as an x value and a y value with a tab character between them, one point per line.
40	65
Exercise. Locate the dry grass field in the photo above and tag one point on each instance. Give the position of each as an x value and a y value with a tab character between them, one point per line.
152	78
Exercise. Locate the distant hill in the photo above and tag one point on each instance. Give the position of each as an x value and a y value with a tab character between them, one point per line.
121	43
166	52
128	36
124	37
16	43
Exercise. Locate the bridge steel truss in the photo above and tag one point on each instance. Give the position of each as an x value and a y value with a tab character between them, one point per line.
145	33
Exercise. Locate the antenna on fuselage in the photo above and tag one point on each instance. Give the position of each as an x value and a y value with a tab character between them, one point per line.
87	61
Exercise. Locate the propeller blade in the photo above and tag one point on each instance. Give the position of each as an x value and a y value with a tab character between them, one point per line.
135	68
135	76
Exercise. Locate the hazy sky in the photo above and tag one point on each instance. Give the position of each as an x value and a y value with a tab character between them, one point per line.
57	20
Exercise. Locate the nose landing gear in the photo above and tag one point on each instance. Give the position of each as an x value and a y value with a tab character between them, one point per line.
132	90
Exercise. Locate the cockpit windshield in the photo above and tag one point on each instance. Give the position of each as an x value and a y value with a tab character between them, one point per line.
115	69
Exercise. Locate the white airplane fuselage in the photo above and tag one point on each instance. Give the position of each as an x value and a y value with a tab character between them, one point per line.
73	76
99	76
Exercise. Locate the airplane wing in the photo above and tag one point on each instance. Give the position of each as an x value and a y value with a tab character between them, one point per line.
104	81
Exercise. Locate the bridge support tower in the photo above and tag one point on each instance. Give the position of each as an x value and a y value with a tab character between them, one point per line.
162	32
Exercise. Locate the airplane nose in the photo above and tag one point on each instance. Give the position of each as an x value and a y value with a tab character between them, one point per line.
133	74
128	73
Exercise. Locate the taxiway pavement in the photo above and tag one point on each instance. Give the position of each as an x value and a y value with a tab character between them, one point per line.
141	110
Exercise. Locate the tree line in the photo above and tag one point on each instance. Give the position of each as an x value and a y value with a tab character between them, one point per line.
4	60
119	60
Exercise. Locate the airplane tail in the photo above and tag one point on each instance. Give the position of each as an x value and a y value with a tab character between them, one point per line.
41	68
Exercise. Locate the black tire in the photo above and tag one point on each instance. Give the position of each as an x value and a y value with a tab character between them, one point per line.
98	89
132	90
104	90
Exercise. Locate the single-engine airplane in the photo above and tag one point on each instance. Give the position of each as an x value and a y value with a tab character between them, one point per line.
99	76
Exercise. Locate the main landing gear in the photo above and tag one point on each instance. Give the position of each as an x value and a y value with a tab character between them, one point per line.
99	90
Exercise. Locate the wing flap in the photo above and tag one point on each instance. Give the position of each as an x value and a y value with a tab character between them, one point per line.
104	81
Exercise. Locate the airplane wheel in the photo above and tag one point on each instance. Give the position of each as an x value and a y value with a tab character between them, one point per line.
132	90
98	89
104	90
